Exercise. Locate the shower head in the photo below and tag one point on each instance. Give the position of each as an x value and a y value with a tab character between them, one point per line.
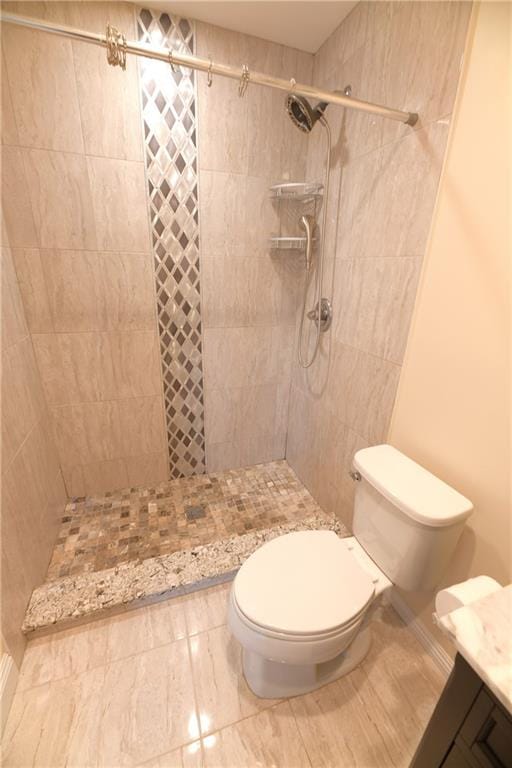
302	113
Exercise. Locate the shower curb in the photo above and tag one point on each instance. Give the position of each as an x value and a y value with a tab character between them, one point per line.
74	600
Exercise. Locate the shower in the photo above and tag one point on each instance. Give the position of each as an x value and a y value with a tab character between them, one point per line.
304	116
301	112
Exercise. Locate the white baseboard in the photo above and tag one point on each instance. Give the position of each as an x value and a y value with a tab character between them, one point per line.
8	680
443	660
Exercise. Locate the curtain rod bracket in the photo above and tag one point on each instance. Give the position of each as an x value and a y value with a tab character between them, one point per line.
244	81
116	47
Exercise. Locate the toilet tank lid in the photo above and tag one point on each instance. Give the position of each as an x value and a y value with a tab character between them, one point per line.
410	487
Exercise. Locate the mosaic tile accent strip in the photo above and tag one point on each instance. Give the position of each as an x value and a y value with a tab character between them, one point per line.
170	136
98	533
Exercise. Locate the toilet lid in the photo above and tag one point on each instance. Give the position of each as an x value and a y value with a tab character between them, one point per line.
303	583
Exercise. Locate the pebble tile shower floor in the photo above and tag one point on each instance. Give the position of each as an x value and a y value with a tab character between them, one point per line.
98	533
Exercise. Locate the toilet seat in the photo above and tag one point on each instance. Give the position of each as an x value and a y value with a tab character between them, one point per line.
315	637
303	585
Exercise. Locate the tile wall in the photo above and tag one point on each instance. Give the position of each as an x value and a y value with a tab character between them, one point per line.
33	494
75	211
249	296
384	184
87	278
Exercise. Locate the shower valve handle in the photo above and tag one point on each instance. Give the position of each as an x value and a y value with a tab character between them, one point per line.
325	314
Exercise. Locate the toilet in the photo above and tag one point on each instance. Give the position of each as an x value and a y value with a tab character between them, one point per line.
301	605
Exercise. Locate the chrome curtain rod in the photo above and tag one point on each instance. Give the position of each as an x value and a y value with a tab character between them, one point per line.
117	47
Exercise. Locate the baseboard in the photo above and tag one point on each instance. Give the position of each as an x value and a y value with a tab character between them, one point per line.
443	660
8	680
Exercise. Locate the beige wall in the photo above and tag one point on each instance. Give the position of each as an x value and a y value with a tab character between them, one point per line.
249	297
33	493
452	412
384	178
74	202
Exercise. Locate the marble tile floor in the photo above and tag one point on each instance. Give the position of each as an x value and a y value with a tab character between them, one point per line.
103	532
161	686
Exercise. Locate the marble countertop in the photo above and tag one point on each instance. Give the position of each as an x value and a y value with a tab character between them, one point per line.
482	633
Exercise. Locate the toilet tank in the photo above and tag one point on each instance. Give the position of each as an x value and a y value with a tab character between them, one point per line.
407	520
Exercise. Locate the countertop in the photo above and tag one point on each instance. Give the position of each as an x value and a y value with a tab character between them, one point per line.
482	633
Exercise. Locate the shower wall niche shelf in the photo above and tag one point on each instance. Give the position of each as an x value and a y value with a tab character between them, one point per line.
290	243
297	190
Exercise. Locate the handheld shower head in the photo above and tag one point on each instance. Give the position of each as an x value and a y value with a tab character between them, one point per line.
307	223
302	114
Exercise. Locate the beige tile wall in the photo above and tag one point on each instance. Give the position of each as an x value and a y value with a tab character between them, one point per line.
75	212
384	183
249	297
33	494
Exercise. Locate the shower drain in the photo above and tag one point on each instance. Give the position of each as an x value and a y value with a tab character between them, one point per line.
194	513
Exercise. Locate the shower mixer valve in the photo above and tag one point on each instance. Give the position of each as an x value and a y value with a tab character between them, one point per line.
325	314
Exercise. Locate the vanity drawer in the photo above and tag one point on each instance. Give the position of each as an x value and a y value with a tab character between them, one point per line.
487	733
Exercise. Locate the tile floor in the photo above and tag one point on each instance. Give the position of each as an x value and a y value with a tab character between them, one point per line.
162	686
137	523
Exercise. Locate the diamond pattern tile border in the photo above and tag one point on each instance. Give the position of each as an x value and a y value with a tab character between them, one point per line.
170	137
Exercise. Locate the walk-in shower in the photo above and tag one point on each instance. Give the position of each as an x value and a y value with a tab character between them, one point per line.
303	115
143	311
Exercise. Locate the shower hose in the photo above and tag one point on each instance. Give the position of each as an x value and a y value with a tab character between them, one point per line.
304	361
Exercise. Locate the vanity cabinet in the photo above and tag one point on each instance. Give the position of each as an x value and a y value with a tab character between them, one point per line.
469	728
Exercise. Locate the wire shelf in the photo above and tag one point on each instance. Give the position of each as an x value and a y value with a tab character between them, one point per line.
297	190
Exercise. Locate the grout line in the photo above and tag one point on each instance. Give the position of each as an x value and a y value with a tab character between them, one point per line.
86	628
93	331
276	703
299	728
201	739
35	425
84	154
366	352
59	249
109	400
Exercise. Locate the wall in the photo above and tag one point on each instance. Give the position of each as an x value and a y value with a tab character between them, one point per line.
249	296
384	183
75	209
452	412
33	494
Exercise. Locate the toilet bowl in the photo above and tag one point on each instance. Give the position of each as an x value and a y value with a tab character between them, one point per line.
301	605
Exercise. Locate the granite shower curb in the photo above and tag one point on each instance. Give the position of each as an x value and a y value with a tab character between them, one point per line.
76	599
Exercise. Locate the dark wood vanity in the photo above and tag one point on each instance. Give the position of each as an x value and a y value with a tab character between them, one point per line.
469	728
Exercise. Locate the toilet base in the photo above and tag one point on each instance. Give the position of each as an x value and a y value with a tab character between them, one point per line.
275	680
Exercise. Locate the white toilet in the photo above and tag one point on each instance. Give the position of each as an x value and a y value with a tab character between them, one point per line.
301	604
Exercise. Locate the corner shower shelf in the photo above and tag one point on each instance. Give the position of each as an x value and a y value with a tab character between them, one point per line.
288	243
297	190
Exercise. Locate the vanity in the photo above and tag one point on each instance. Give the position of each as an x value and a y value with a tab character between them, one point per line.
471	726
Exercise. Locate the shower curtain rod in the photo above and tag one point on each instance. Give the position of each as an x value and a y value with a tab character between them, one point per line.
117	48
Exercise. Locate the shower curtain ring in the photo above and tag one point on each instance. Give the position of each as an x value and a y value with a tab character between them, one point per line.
244	81
116	47
210	77
171	62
